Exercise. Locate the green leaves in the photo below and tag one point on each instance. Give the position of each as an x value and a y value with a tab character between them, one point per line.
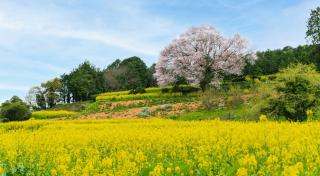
15	110
131	73
297	88
313	26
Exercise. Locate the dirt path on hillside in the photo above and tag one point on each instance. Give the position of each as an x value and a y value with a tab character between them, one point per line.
173	109
157	110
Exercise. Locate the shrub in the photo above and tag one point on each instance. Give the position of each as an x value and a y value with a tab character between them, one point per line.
298	89
15	110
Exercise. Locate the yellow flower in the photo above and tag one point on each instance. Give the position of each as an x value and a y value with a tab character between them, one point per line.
310	116
309	112
293	170
271	162
53	172
1	170
263	118
242	172
107	162
121	147
157	171
249	162
177	169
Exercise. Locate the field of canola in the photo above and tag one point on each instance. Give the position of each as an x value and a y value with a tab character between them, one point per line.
159	147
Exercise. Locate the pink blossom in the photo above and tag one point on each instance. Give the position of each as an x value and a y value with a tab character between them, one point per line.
199	51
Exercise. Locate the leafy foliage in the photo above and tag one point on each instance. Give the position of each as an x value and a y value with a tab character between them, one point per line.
313	26
36	98
83	83
51	91
15	110
271	61
298	90
131	73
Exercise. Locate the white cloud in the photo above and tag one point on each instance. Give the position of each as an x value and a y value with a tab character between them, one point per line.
133	30
31	30
105	38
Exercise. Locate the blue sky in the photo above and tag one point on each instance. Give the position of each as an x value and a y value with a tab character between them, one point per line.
42	39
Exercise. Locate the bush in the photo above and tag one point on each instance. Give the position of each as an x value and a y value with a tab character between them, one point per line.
15	110
298	89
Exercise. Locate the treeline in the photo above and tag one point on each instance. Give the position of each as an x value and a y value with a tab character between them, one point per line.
86	81
271	61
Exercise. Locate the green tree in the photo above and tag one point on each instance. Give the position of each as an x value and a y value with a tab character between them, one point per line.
51	91
36	98
114	64
152	79
65	94
313	31
298	90
131	73
136	73
15	110
83	83
112	77
271	61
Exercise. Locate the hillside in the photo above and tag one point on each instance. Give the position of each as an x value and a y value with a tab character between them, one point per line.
183	103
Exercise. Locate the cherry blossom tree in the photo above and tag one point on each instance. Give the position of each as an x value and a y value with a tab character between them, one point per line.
201	56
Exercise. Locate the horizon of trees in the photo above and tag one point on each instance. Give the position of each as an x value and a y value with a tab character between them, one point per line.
84	82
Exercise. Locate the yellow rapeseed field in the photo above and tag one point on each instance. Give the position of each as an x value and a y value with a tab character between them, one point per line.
159	147
49	114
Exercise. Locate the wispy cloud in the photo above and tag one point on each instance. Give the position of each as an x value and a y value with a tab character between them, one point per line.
41	39
130	34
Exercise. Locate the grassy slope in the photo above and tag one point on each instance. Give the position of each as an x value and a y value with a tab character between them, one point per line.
76	107
227	113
